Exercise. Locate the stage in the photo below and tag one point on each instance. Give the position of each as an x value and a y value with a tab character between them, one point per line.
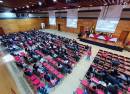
118	46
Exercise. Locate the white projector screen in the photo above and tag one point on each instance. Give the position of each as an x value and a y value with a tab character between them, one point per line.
52	18
72	18
106	25
109	18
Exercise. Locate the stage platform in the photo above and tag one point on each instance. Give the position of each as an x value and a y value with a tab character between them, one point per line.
118	46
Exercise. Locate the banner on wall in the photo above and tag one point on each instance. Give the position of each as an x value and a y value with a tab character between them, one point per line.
72	18
109	18
52	18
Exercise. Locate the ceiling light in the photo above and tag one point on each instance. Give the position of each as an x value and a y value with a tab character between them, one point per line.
39	3
54	0
79	6
64	7
27	6
15	8
23	7
1	1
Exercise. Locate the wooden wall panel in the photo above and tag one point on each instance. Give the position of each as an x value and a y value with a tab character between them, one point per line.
62	23
124	25
128	38
16	25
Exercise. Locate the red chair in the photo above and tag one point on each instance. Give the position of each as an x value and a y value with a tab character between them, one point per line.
94	79
60	76
79	91
41	85
120	92
128	89
17	58
99	91
55	72
36	82
33	77
85	83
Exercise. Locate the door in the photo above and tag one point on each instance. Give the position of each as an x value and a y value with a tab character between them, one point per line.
123	36
81	28
59	28
1	31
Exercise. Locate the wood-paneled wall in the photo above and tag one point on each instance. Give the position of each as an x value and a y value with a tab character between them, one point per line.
124	25
16	25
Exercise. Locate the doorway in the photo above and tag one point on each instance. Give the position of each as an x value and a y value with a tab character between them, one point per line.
1	31
81	28
123	36
59	27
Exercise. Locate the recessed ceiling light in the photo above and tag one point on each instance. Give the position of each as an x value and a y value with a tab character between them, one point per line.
27	6
23	7
15	8
1	1
39	3
79	6
54	0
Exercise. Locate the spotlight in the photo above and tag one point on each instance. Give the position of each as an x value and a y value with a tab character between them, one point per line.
39	3
1	1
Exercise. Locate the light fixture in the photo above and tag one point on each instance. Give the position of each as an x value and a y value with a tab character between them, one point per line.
27	6
39	3
79	6
15	8
1	1
54	0
23	7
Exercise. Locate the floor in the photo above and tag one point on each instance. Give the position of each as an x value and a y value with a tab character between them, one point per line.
7	84
69	83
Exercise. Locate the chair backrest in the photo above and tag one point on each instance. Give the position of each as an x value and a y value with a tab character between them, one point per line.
79	91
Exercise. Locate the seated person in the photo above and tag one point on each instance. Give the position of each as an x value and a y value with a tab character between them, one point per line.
96	60
28	72
115	62
113	89
47	77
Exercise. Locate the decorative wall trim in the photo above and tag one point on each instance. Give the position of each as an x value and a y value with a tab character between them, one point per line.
21	18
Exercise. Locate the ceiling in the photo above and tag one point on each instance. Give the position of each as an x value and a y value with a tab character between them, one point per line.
44	5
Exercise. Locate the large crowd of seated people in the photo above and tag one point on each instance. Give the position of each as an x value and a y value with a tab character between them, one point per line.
45	58
108	74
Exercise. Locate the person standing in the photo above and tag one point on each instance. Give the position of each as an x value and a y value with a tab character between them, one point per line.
89	53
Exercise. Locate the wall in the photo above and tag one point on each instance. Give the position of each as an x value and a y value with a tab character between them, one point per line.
88	17
124	25
24	24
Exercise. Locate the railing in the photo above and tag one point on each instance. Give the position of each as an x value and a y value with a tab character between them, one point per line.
17	75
